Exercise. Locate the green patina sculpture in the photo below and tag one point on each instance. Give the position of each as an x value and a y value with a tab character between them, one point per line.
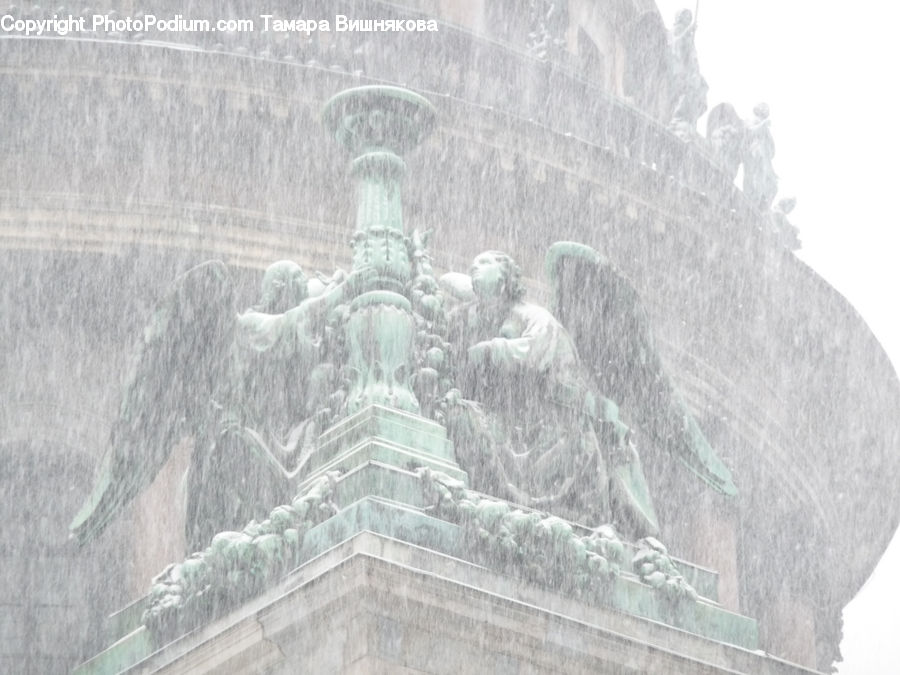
236	566
537	420
532	545
254	390
378	124
603	313
654	567
535	545
540	446
530	398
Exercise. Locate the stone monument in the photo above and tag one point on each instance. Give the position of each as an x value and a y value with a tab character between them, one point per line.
132	159
423	436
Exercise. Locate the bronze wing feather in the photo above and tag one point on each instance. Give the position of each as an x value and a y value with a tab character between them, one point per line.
604	315
180	367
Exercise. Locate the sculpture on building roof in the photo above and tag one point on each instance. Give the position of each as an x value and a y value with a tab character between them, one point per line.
647	65
322	382
255	390
734	141
250	389
530	396
725	137
689	88
783	230
545	430
519	363
760	179
524	405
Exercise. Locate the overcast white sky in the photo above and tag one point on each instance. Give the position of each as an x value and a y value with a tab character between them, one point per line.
828	70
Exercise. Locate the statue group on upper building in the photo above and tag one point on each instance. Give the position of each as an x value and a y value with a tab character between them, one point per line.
688	87
735	142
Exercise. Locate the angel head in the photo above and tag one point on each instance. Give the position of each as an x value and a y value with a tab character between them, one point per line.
284	286
683	18
761	111
785	205
496	276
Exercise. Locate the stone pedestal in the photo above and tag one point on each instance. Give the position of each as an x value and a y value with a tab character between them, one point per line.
374	604
385	586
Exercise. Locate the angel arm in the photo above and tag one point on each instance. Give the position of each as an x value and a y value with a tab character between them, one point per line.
532	339
313	311
178	369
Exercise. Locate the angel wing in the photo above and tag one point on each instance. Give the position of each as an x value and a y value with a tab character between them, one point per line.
604	316
181	366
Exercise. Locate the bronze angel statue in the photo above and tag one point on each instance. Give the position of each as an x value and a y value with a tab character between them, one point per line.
535	418
251	389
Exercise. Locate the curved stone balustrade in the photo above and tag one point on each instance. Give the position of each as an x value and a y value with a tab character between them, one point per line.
451	62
